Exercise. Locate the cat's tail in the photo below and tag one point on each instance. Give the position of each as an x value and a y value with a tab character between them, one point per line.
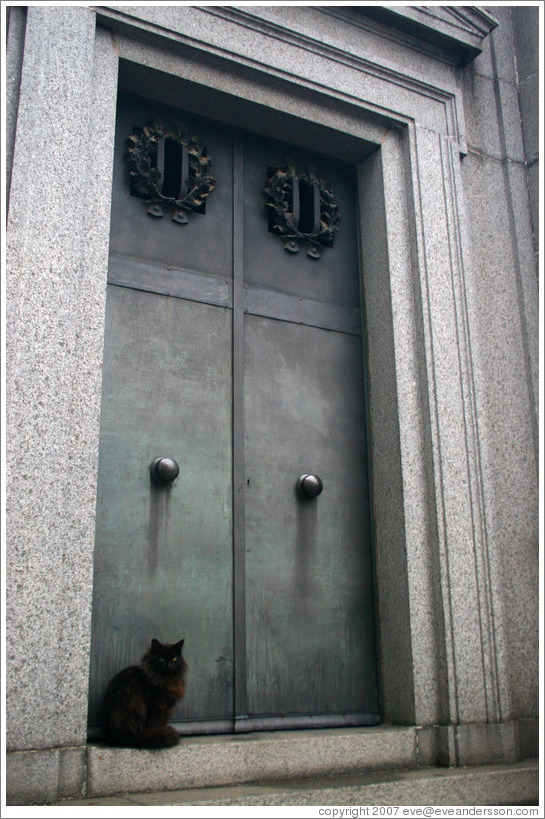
164	737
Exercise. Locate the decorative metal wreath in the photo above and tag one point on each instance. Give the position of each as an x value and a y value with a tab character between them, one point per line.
279	192
146	178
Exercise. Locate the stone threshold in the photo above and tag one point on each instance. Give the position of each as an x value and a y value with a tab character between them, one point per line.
503	785
215	761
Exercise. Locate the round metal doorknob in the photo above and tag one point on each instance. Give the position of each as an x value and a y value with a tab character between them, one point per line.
164	470
309	486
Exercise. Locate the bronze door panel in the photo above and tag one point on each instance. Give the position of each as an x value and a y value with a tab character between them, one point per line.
241	361
163	558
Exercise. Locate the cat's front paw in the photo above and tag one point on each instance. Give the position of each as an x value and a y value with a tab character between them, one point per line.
171	736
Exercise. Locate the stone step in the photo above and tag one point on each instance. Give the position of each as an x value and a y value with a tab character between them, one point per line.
231	759
277	756
500	785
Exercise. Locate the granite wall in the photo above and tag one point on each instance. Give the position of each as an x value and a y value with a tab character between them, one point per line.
501	160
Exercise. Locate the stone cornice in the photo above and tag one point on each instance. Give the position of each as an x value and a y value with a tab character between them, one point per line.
459	30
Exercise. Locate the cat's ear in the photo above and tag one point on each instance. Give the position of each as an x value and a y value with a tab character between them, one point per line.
180	644
155	644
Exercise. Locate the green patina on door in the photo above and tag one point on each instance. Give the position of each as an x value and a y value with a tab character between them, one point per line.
242	361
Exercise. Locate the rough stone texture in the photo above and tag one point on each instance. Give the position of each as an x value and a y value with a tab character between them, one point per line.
384	266
55	286
482	131
525	24
282	759
493	785
468	744
500	742
41	777
208	761
272	31
475	744
529	93
307	60
525	37
15	41
451	439
476	371
503	47
502	305
526	41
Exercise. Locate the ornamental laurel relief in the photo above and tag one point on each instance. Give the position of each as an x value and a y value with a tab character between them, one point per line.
169	170
302	209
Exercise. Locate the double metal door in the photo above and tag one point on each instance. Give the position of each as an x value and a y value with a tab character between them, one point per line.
237	354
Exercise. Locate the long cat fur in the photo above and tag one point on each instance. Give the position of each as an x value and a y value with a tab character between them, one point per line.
139	700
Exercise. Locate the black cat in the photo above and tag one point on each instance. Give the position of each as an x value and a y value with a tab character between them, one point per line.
139	701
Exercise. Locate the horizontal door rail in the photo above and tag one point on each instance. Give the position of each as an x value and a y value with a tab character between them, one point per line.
169	281
301	310
124	271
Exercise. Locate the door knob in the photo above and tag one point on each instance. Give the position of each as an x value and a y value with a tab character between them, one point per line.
309	486
164	470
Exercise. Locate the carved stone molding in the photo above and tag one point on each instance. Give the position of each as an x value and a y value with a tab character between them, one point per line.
458	30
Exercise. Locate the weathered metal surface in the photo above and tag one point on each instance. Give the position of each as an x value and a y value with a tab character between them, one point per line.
310	642
205	246
299	310
334	279
170	281
243	364
163	559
